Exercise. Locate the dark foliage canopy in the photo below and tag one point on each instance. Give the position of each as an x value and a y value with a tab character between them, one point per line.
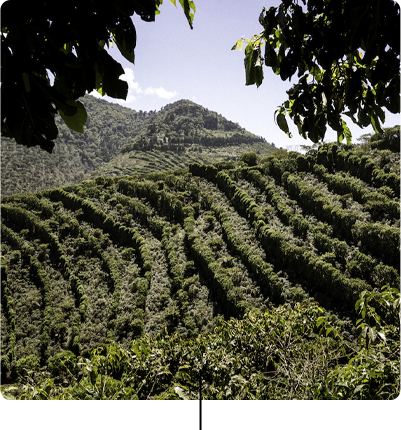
346	55
41	39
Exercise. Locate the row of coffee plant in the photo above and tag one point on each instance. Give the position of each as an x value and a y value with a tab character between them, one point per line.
266	278
325	244
344	159
7	304
377	203
20	216
229	296
116	258
323	275
42	281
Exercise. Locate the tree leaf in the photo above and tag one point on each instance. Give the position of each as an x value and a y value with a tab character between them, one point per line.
319	321
282	123
364	331
109	71
382	335
253	64
347	132
372	334
358	388
238	45
125	37
181	393
77	121
270	56
189	10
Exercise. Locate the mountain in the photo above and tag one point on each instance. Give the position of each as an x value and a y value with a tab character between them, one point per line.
118	140
294	239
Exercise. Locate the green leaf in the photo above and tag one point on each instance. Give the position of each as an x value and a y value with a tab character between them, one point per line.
181	393
189	9
238	45
372	334
89	365
126	50
77	121
282	123
376	124
99	86
382	335
313	133
107	72
364	331
380	113
185	367
253	64
270	56
347	132
319	321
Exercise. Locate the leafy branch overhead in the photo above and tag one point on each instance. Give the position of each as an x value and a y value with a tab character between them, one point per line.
51	56
344	54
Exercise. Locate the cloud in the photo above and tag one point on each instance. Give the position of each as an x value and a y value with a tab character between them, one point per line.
128	76
134	88
94	93
161	92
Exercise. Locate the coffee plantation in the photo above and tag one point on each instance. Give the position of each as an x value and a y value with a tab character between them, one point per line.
272	277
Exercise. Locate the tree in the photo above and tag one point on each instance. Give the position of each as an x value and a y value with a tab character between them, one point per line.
40	39
346	54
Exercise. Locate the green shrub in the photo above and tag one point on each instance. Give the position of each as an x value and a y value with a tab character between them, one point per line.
296	294
25	364
137	327
62	364
127	253
250	158
15	256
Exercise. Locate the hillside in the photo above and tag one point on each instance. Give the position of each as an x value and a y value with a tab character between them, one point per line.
113	259
119	140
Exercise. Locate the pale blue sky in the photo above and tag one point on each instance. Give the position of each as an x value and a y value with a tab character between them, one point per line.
174	62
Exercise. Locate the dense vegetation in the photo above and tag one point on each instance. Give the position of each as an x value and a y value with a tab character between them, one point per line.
274	277
121	141
51	57
344	56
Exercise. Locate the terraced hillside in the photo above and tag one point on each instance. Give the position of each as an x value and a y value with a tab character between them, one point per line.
120	141
116	258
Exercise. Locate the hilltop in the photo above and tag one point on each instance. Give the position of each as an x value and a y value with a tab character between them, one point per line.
119	140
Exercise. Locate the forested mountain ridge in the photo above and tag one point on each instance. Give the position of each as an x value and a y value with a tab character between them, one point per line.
114	259
184	123
119	140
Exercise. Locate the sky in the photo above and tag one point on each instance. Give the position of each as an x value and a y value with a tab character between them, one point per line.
173	62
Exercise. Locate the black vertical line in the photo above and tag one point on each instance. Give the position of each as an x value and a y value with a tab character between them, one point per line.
200	400
200	414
